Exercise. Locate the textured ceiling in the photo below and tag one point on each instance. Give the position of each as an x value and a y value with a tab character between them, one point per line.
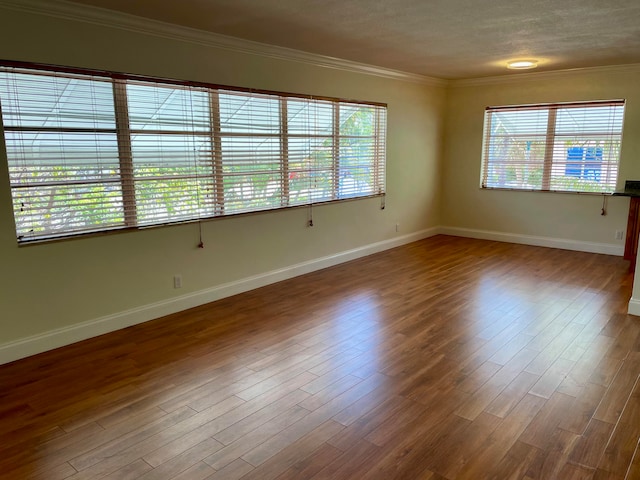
440	38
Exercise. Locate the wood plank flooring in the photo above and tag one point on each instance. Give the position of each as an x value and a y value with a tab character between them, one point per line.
448	358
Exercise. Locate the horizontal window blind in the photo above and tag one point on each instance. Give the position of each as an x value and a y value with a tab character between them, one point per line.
571	147
96	151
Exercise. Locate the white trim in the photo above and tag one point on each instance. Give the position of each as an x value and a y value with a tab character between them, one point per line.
552	242
634	307
132	23
74	333
537	76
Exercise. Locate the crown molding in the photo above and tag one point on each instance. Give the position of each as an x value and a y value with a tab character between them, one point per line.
536	76
108	18
67	10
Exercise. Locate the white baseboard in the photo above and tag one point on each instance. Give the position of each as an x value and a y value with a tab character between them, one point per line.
563	243
74	333
634	307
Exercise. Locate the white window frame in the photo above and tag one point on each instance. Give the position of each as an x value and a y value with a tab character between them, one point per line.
371	168
509	160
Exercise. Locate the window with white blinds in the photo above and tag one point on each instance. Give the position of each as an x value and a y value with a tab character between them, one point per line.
570	147
96	151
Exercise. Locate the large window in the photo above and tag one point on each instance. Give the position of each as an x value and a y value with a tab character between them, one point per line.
571	147
92	151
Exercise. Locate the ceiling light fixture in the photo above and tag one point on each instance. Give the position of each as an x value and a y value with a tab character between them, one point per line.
522	64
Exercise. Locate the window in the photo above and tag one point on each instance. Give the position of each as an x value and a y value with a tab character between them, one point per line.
94	151
571	147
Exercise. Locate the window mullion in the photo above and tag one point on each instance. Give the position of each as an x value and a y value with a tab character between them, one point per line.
336	149
548	149
376	153
284	152
216	156
487	148
123	133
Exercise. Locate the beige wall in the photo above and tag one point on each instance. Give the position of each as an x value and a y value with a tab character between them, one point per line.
433	154
51	286
564	216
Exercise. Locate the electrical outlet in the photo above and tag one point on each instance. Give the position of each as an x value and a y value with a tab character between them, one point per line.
177	281
619	234
397	227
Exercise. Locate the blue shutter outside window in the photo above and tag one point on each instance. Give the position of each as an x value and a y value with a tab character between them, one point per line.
584	163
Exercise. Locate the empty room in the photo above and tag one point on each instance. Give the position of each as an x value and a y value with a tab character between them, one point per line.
319	240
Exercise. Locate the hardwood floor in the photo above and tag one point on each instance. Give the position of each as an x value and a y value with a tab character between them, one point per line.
448	358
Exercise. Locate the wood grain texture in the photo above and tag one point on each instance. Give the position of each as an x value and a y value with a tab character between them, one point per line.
445	359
